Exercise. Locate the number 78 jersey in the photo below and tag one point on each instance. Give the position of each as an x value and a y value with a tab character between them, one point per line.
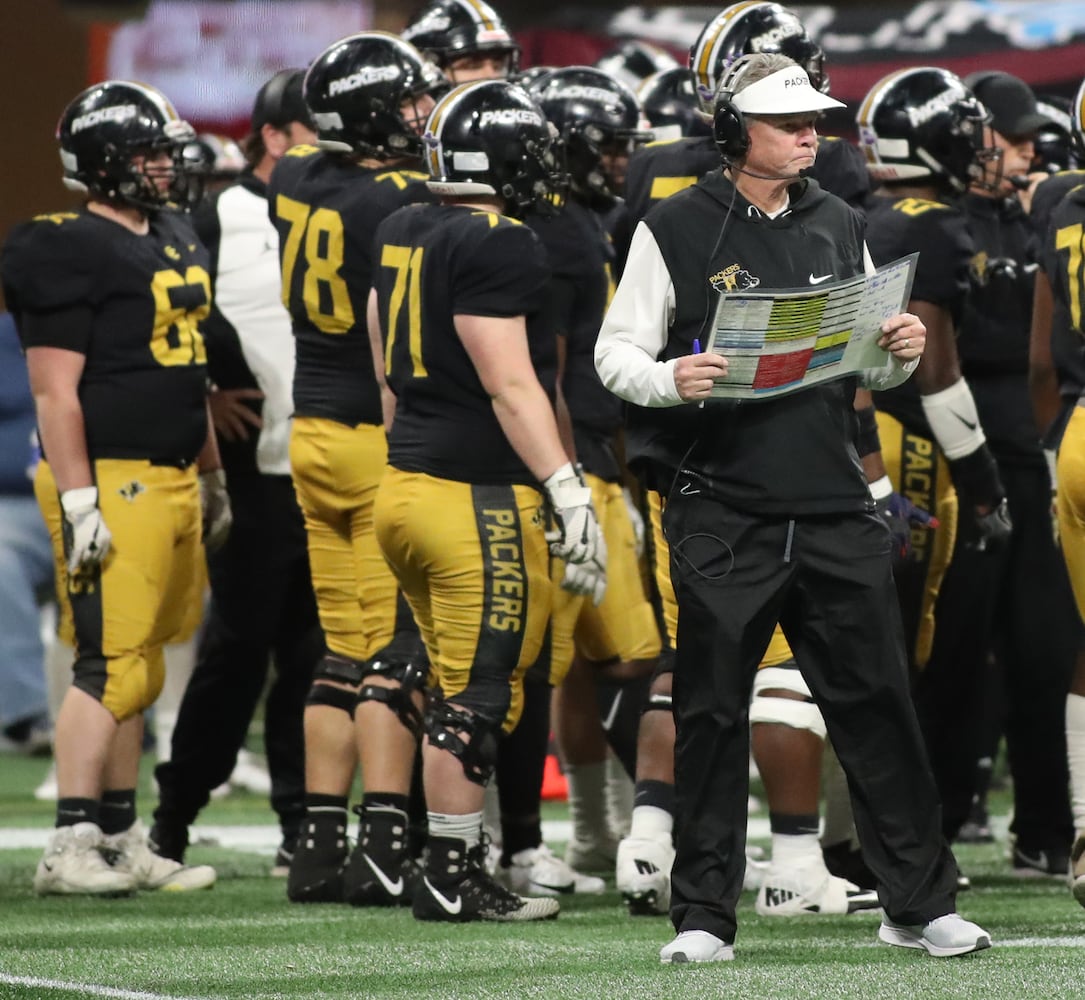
326	209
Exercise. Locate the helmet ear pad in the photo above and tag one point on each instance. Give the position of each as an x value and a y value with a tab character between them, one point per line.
729	130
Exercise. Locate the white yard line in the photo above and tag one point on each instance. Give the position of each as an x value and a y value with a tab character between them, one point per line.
88	989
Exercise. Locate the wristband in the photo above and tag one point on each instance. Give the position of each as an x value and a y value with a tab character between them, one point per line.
881	488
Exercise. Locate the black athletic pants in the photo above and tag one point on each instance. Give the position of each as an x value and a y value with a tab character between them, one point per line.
1020	675
828	581
262	608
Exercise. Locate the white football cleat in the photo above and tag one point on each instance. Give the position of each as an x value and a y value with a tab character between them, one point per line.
591	856
642	873
943	937
73	865
696	946
1077	869
808	888
129	852
250	774
537	871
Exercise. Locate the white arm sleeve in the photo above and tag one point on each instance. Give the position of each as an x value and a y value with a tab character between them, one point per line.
634	331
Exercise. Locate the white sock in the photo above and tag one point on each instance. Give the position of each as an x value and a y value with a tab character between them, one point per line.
651	823
1075	755
457	826
619	797
789	849
588	801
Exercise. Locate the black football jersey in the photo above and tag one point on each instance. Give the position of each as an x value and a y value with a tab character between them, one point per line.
660	169
581	259
432	263
1049	192
995	325
132	304
939	232
326	209
1063	260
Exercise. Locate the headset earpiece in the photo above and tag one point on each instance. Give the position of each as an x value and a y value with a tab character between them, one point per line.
729	129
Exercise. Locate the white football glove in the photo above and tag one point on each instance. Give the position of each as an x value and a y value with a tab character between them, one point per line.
215	505
85	533
577	539
637	520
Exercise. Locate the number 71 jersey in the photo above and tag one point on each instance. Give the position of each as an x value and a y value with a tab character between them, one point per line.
326	209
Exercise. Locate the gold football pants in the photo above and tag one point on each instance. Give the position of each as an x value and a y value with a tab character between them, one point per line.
336	471
473	563
150	587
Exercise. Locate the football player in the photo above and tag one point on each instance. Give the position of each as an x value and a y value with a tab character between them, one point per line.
932	438
369	95
460	335
1057	376
616	637
108	300
1023	586
466	39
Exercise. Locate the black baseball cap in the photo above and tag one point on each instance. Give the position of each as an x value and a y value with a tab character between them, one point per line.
1010	100
279	101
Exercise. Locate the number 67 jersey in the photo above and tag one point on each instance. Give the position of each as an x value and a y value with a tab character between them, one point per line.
326	209
132	305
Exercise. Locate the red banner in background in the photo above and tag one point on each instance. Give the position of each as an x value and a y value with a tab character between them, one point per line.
209	57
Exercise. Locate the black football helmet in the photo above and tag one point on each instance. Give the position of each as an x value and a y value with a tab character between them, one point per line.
592	113
634	61
488	137
669	102
924	122
745	28
105	127
210	162
356	89
446	30
1055	149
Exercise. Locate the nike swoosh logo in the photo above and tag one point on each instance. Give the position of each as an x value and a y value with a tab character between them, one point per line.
613	713
392	888
818	281
970	424
449	906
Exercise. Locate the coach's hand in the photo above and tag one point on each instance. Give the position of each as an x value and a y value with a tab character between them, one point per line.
87	539
695	374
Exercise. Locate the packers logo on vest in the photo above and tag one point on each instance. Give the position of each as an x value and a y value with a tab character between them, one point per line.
734	278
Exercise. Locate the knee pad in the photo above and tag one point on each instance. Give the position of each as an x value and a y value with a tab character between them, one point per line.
332	697
340	670
411	677
446	727
791	712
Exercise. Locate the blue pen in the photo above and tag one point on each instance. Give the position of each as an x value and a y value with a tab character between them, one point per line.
696	346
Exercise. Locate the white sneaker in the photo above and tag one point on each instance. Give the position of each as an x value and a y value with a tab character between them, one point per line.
537	871
132	854
756	869
250	774
47	791
696	946
642	873
808	888
1077	869
591	856
943	937
73	865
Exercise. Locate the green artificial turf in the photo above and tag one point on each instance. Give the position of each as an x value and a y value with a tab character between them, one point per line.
244	940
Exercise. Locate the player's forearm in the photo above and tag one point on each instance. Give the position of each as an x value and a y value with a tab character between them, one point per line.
527	419
64	439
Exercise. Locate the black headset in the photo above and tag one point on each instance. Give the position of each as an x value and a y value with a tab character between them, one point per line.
729	129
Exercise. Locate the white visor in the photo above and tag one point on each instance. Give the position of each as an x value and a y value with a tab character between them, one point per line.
785	92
